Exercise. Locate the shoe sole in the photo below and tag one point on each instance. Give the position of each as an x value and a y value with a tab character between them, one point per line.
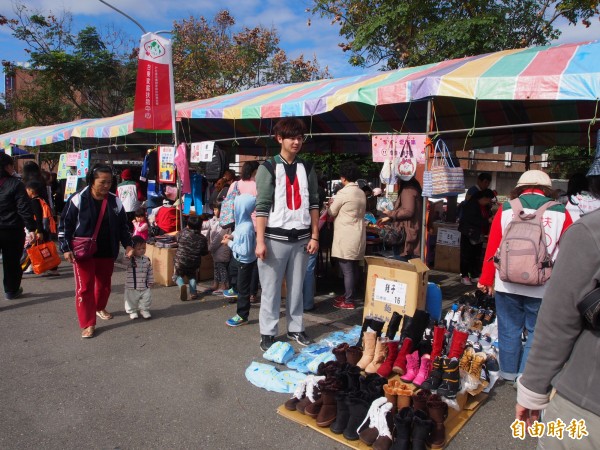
230	296
239	324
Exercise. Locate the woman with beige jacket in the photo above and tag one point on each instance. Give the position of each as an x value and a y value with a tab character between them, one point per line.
349	235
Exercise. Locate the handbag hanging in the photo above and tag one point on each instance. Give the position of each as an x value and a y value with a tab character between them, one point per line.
227	217
85	247
43	257
444	179
406	162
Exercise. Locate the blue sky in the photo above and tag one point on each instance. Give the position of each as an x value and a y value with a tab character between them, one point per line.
288	17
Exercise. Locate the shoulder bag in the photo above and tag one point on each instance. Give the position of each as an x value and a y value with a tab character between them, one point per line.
85	247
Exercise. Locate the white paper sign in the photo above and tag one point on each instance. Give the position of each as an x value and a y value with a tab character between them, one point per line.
388	291
202	151
70	186
448	236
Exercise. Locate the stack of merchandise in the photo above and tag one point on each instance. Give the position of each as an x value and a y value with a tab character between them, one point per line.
395	390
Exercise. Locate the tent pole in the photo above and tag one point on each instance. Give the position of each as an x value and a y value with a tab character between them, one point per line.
428	127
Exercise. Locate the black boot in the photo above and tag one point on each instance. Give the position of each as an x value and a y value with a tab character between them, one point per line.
366	324
422	426
403	427
451	380
393	326
377	326
358	408
353	378
343	414
417	327
405	326
436	374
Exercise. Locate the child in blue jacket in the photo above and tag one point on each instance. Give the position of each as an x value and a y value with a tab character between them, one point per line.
242	242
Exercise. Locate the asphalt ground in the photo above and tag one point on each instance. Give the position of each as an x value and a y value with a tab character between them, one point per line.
173	382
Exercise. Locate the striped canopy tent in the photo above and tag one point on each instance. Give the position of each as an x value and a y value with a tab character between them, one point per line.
5	139
49	134
543	95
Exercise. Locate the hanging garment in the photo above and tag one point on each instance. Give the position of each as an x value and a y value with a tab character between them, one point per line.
181	162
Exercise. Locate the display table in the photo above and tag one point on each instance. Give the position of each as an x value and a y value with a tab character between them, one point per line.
163	262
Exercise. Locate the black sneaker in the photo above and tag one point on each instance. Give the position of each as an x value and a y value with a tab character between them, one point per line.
266	341
14	296
300	337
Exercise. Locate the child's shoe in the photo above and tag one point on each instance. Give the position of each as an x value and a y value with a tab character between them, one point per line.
133	316
145	314
183	293
236	321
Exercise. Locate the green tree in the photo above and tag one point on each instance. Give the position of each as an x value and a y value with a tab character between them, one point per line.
565	161
397	33
82	74
210	58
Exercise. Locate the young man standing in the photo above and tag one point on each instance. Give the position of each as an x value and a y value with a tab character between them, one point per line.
287	215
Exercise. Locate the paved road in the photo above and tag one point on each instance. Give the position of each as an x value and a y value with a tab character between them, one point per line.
176	381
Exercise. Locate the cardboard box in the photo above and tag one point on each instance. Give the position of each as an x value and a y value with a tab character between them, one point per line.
447	259
162	264
394	286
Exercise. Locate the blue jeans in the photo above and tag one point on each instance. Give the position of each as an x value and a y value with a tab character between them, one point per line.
191	281
308	288
515	312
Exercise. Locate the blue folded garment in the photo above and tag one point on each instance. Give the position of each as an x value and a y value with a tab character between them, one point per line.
280	352
268	377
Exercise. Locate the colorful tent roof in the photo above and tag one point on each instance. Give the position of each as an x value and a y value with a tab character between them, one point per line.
34	136
561	72
107	127
5	139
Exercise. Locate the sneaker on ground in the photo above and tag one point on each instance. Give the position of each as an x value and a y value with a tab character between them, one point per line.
183	293
236	321
300	337
146	314
16	295
466	281
230	293
346	305
133	316
266	342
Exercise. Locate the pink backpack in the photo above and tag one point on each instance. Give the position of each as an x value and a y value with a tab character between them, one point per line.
523	256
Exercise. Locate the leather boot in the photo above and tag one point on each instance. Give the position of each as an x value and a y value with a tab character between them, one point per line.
366	324
459	339
290	405
353	354
404	396
437	410
424	370
392	353
328	411
368	431
419	400
342	413
421	430
312	393
439	333
389	390
400	362
403	427
369	342
340	352
393	326
377	326
417	327
405	325
466	359
412	367
450	381
357	408
476	365
436	374
379	357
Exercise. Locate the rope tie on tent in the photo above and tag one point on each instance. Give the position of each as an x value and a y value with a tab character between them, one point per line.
372	120
472	130
259	128
405	117
235	141
592	123
310	130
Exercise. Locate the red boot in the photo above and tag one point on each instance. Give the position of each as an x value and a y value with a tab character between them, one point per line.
459	339
438	341
400	362
392	352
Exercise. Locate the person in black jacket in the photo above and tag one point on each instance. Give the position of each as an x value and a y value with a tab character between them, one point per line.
192	245
79	217
474	224
15	214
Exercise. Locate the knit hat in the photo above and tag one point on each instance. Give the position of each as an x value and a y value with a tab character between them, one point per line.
535	178
595	168
126	174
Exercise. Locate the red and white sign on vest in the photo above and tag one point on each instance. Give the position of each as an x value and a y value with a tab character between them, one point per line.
154	108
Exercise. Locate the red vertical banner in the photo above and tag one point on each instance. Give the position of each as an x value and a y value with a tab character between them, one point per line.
154	108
